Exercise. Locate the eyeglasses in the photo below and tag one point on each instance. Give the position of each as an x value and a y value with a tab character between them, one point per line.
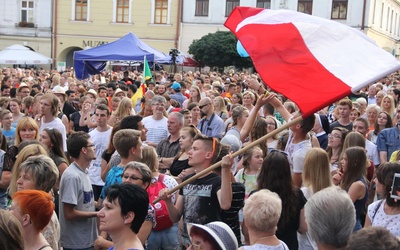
202	106
335	136
279	151
90	146
270	124
133	178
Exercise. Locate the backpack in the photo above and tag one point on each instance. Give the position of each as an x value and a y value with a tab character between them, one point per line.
163	221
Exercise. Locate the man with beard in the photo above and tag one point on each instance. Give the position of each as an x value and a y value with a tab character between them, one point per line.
211	125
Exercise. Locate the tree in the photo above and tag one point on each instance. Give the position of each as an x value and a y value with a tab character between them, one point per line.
218	50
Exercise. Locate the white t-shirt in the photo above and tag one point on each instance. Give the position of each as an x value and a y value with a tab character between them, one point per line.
296	153
100	140
157	129
372	152
56	124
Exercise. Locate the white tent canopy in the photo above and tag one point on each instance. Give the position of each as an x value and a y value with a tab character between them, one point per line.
19	54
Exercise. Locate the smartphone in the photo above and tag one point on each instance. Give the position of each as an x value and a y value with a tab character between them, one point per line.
395	194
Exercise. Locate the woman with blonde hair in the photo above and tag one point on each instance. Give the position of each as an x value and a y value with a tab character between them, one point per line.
371	113
388	105
25	153
316	173
195	96
11	237
262	212
316	176
124	109
220	107
27	130
248	99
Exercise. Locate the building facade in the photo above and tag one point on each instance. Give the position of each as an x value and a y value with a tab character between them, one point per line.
57	28
379	19
28	23
89	23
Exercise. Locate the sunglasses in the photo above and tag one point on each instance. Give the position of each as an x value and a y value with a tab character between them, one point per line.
202	106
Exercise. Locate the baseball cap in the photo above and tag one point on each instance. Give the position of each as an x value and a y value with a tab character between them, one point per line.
176	86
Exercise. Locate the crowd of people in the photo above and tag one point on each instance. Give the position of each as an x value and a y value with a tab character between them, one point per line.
83	161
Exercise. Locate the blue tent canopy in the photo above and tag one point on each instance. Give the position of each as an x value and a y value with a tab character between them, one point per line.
128	48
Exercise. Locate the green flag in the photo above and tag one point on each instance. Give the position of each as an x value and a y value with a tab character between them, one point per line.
146	71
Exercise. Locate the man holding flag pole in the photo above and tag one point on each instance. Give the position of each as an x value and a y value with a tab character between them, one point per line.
294	53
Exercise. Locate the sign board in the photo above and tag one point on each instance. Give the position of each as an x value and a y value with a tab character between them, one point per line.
61	66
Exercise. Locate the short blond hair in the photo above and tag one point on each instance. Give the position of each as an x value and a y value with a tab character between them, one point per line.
262	211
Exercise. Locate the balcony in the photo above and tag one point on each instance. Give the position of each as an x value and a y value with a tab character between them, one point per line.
24	24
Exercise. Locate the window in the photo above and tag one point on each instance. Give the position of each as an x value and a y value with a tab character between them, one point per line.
266	4
122	11
81	8
27	11
161	12
305	6
230	5
201	8
339	9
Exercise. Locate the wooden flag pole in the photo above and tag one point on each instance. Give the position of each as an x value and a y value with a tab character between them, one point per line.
214	166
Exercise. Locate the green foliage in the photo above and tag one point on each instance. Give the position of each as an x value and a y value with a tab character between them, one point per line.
218	50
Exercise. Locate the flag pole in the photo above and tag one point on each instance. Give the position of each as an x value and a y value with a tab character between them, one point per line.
241	151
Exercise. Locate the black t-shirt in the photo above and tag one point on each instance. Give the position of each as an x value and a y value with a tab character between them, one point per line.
336	124
75	117
178	166
68	110
288	233
201	203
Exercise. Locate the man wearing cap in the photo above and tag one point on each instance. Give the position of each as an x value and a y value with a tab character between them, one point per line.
66	108
211	125
176	93
92	94
23	91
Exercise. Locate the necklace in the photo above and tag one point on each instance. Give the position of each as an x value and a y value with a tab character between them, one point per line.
263	238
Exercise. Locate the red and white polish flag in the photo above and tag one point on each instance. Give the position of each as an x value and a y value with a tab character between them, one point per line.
311	60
